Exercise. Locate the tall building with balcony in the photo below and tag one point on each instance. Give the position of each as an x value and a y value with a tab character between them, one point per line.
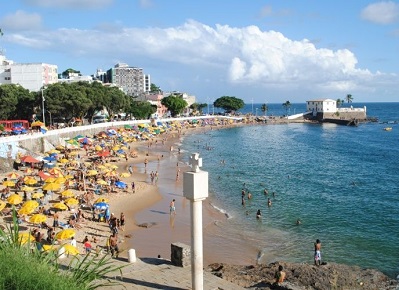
131	79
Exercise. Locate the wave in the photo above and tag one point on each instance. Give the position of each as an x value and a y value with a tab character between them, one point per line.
223	211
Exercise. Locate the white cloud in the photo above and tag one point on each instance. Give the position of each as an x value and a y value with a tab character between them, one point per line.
73	4
381	12
243	57
146	3
21	20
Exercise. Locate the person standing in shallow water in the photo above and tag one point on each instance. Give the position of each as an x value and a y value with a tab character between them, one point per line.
317	253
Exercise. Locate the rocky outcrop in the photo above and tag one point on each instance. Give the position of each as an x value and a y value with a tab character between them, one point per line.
304	277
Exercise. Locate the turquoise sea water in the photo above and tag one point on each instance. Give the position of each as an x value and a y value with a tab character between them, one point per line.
342	182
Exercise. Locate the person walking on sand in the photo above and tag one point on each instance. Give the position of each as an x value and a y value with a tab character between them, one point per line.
133	187
172	207
317	253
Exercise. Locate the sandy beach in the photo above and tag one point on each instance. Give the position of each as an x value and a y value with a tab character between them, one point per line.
149	229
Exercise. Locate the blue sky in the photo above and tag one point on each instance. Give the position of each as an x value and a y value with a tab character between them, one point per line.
268	51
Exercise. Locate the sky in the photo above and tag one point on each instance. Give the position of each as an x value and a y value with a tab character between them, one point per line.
258	51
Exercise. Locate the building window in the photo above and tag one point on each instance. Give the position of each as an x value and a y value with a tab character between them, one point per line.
7	78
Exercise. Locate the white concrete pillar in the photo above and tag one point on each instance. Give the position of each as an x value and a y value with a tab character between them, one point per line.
195	188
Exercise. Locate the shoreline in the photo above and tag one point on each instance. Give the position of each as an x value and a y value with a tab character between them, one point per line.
151	202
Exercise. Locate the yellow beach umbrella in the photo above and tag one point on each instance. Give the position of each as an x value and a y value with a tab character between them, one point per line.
2	205
50	180
92	172
125	174
68	176
63	160
37	218
37	195
9	183
70	250
101	166
47	248
60	205
60	179
14	199
29	170
102	199
52	186
26	210
27	188
30	203
65	234
98	148
24	238
60	147
29	180
67	193
72	201
102	182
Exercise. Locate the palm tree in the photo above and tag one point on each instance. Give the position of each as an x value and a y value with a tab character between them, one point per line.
287	105
349	98
264	109
340	102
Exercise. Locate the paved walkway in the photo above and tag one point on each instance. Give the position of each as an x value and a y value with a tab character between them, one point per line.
153	273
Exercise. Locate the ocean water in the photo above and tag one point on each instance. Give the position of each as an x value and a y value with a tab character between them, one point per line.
341	182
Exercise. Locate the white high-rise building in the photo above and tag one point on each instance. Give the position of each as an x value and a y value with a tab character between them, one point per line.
5	70
131	79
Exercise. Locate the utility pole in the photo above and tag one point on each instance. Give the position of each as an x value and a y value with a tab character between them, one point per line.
43	99
252	112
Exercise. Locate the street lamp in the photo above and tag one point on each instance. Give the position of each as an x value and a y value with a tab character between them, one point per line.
43	99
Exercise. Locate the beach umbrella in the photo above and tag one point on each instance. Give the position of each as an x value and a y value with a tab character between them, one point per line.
60	147
29	170
14	199
98	148
37	195
120	184
30	203
26	210
60	205
13	175
102	199
110	173
70	250
103	153
29	180
60	179
65	234
67	193
72	201
63	160
27	188
2	205
52	186
125	174
29	159
24	238
101	205
68	176
37	218
102	182
50	180
44	175
92	172
9	183
48	248
56	172
50	159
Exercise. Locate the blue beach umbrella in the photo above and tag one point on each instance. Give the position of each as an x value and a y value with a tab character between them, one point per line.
101	205
120	184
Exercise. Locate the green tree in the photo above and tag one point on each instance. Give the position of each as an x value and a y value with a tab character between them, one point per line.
264	108
286	106
65	74
340	102
141	110
9	100
229	104
154	88
349	98
198	107
174	104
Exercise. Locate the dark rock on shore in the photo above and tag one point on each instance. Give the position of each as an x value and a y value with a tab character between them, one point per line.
304	277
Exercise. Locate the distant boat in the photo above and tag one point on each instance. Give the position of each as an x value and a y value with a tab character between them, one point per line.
388	129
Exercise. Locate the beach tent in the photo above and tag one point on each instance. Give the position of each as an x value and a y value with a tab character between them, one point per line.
101	205
120	184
